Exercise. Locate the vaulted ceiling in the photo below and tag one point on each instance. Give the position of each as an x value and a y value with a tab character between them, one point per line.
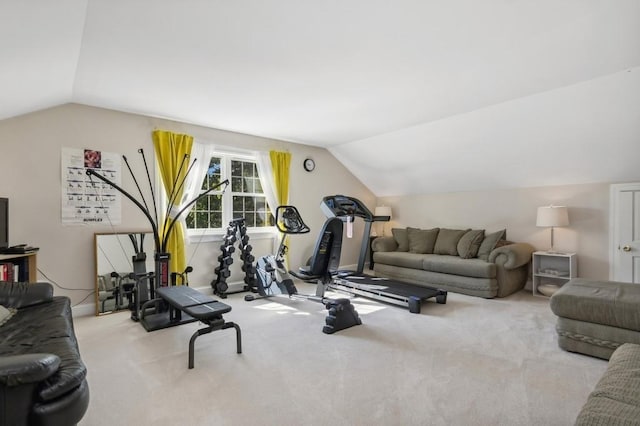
413	96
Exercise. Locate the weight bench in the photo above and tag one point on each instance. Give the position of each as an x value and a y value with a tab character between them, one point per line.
201	307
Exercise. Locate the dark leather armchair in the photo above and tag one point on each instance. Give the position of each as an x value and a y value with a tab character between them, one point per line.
42	377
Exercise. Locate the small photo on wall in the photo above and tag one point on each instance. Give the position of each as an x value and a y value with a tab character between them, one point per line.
92	159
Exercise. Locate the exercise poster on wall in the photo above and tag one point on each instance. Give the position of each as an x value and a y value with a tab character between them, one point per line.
86	199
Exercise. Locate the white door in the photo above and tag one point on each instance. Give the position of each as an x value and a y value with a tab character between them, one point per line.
625	232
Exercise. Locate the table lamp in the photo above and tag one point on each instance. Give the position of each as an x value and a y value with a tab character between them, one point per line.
552	216
383	211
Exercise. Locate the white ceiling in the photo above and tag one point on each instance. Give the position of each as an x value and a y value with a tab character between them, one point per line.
413	96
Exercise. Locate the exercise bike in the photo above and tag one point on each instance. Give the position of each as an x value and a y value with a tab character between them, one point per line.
272	277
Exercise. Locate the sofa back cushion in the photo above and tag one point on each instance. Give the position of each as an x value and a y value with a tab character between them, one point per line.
422	240
489	243
20	295
469	243
447	241
402	238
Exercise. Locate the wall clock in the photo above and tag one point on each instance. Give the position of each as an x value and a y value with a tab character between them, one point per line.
309	164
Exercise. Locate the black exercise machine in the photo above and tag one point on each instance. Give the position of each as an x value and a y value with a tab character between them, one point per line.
273	277
347	209
394	292
150	308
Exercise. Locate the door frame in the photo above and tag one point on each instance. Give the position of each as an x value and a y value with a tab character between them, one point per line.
614	189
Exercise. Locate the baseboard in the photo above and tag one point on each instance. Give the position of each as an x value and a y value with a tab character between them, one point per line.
86	309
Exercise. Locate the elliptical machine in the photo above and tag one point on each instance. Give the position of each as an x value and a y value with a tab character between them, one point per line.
274	279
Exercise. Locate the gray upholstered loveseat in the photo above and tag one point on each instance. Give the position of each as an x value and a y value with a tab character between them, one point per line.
459	260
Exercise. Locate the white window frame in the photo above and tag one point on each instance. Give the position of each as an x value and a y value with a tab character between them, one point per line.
216	234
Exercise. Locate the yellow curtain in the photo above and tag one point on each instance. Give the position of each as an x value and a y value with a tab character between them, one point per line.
171	149
280	162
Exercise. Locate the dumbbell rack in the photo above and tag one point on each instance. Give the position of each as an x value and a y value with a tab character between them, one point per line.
236	232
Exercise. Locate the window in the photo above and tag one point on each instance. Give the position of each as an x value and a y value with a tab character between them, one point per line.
244	196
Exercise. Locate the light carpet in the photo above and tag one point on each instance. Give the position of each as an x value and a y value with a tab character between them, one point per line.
471	361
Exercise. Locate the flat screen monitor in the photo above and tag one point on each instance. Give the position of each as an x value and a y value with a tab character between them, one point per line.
4	222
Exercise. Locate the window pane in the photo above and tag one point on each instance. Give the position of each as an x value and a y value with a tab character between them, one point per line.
213	174
236	184
190	220
201	204
202	219
247	169
238	204
236	168
248	185
250	219
215	202
243	175
249	204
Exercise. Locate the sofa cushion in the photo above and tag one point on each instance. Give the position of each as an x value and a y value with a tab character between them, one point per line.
489	243
402	238
454	265
601	302
405	260
20	295
422	240
469	243
616	398
447	241
384	244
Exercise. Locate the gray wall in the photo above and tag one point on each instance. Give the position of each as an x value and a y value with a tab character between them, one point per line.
515	209
30	173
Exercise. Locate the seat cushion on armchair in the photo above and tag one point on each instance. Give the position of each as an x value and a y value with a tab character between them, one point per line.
600	302
616	398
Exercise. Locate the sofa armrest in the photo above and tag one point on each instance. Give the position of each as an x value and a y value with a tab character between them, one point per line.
514	255
21	295
384	244
16	370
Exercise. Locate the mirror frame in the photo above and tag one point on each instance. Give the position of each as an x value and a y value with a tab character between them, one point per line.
96	274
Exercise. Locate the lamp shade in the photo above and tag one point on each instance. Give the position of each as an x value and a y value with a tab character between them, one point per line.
552	216
383	211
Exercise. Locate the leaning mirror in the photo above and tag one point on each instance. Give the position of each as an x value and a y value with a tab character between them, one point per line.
117	256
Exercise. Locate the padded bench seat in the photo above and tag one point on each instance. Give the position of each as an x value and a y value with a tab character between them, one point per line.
201	307
596	317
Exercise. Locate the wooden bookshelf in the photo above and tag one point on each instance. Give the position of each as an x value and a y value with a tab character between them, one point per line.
27	265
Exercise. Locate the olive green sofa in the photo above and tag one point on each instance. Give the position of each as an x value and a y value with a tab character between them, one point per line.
463	261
